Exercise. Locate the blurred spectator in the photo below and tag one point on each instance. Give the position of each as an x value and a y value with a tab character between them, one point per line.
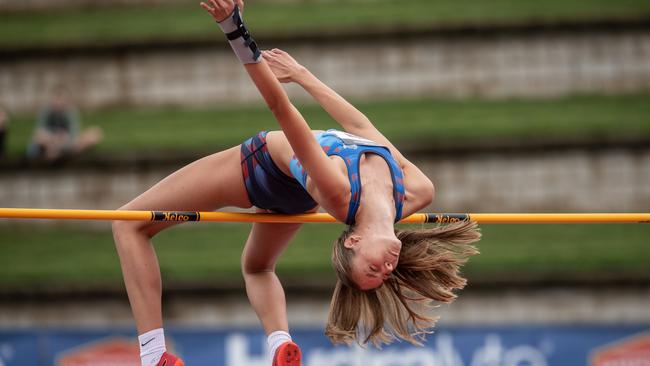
4	125
58	130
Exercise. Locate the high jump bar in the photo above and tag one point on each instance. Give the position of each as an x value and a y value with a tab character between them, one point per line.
182	216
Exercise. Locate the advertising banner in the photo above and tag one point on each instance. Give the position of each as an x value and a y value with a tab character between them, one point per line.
450	346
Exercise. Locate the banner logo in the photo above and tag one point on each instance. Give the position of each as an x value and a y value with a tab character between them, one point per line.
442	352
114	351
634	350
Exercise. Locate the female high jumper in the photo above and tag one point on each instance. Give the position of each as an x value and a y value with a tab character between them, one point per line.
387	278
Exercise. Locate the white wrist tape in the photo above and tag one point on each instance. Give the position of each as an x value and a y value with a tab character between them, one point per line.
240	40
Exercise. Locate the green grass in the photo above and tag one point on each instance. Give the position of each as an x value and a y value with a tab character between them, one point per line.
207	252
406	122
127	24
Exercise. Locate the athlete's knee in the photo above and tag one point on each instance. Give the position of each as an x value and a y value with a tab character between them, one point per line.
123	229
251	268
120	229
251	265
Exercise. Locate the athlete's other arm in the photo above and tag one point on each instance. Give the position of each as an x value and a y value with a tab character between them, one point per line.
322	171
420	189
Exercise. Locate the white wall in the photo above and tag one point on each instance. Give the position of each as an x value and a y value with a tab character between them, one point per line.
608	180
507	65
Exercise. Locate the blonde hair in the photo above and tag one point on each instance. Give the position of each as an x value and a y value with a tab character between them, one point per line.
427	272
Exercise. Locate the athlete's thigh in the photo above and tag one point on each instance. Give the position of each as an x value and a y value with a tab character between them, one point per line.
207	184
265	244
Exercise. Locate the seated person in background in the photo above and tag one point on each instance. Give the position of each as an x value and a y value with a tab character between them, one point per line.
4	121
57	133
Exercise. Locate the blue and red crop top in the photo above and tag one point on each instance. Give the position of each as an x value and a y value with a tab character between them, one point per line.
350	148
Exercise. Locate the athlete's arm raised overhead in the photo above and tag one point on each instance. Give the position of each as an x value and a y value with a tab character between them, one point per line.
323	172
287	69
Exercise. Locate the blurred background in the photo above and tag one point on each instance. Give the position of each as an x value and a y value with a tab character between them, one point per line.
507	105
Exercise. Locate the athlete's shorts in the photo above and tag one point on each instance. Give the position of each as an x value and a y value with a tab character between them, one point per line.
269	187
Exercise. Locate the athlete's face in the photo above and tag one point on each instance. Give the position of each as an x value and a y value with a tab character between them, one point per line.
375	258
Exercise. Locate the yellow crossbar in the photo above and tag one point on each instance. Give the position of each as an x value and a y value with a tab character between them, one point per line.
182	216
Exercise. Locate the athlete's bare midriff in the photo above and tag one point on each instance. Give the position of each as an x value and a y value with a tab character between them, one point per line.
372	167
282	152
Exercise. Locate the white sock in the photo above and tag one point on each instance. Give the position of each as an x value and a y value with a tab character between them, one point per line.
276	339
152	346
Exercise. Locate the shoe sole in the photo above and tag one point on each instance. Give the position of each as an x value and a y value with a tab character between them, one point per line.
289	355
171	361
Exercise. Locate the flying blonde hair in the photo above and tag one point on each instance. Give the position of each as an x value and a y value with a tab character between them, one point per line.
427	273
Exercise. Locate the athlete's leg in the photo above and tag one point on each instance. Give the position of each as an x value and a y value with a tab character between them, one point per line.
209	183
263	247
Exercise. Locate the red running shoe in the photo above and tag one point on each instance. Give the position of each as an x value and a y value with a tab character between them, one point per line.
168	359
288	354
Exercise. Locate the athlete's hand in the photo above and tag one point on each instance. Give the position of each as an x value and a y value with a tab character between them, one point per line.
285	68
221	9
